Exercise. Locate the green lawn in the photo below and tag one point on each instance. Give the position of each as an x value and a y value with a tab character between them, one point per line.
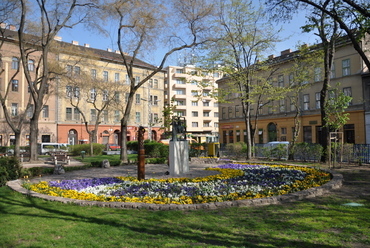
320	222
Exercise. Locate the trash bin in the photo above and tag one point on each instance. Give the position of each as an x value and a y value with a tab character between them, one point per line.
213	149
83	154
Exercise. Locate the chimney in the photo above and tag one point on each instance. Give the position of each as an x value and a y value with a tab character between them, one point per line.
285	52
118	52
75	42
109	50
86	45
58	38
12	27
271	56
3	25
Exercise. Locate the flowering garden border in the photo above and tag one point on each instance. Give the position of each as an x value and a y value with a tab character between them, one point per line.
335	182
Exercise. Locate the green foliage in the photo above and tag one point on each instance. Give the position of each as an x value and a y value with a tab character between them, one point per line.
155	149
236	150
279	152
132	145
156	160
305	151
10	169
77	149
197	149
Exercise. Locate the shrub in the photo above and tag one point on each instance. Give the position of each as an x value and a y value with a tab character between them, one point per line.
132	145
77	149
10	169
236	150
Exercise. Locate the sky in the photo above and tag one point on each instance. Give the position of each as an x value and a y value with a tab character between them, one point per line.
291	35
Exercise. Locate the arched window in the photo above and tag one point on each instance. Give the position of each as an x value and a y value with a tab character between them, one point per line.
31	65
272	135
15	63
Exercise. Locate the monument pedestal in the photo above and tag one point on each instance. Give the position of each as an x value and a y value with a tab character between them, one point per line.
179	157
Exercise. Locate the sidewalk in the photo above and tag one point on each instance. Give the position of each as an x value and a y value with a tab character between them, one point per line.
157	171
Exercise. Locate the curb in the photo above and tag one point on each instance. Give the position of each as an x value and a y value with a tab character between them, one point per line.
335	183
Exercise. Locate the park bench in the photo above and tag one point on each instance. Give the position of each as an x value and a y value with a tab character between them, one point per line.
59	158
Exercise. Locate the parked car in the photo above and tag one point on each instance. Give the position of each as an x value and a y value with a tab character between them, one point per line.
113	147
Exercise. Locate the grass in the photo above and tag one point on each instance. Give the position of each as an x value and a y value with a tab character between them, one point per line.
318	222
31	222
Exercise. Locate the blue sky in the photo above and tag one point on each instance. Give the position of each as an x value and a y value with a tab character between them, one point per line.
291	36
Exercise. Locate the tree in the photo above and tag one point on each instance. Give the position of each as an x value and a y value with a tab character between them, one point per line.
244	36
36	34
304	63
353	17
141	23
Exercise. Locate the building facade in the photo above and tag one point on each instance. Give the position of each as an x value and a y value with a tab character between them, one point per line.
87	79
192	92
276	119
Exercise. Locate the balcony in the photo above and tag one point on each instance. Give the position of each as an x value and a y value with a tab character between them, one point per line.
177	96
181	86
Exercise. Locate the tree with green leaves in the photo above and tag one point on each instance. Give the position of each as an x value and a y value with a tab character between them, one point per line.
244	35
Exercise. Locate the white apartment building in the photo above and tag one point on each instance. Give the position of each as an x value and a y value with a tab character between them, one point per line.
193	92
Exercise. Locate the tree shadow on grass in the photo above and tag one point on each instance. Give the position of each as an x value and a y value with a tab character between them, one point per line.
186	228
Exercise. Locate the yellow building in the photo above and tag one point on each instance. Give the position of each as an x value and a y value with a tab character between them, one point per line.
276	119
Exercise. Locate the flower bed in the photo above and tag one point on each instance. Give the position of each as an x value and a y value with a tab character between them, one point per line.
235	182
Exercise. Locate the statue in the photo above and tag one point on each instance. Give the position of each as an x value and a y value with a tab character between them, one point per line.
178	128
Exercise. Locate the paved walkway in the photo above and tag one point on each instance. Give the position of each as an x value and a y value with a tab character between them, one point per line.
151	171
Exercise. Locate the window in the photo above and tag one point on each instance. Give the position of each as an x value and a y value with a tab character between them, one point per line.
179	113
215	124
216	74
116	77
31	65
105	76
306	102
317	74
68	113
77	92
292	105
206	124
194	113
137	98
45	111
179	103
206	104
116	116
194	103
15	85
92	114
346	67
127	96
93	73
105	95
206	93
194	124
215	104
206	114
280	81
230	112
137	117
283	130
180	81
332	72
179	70
282	105
15	63
116	96
76	114
215	114
291	78
194	93
93	94
194	82
307	134
156	83
69	69
347	91
77	70
137	80
29	111
128	81
69	91
14	109
180	92
105	115
150	83
317	100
